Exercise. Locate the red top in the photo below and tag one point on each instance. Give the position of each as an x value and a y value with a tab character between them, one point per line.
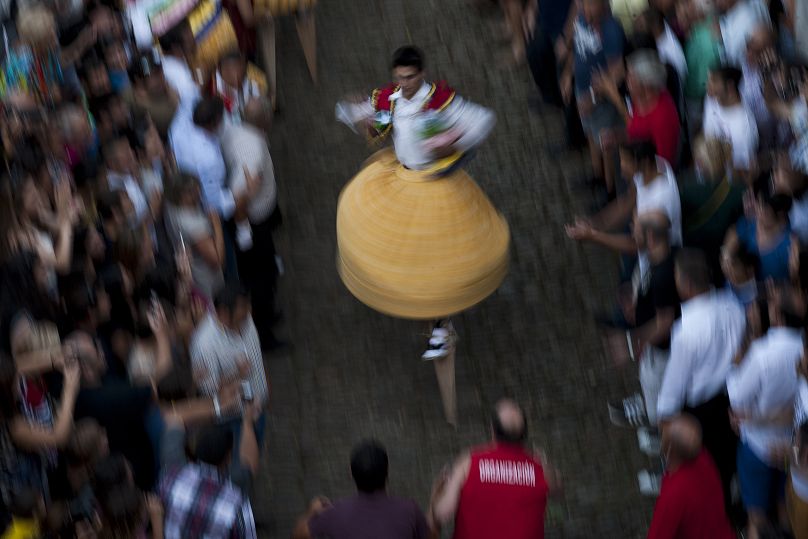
659	123
504	496
691	504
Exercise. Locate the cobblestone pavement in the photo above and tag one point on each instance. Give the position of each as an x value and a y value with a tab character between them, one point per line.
353	373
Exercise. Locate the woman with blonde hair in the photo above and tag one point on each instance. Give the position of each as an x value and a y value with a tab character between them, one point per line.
711	201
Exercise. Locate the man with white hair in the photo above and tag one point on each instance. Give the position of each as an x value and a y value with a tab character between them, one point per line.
653	113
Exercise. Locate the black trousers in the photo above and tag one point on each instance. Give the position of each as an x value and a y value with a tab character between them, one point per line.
719	439
259	273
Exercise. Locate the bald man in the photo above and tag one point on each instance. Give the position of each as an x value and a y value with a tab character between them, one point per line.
691	501
499	490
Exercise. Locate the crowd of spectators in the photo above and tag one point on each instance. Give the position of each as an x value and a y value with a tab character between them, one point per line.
693	114
137	207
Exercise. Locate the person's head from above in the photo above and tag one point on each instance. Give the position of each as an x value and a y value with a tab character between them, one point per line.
653	20
211	445
785	308
652	233
233	69
739	265
209	114
115	55
176	386
723	84
681	441
179	41
28	199
638	157
95	77
508	424
118	111
182	190
123	513
27	503
408	70
771	208
75	127
722	6
369	465
788	180
761	46
146	73
80	346
690	12
594	11
109	205
87	444
119	156
692	273
232	306
110	472
258	113
712	157
134	251
81	304
36	26
646	76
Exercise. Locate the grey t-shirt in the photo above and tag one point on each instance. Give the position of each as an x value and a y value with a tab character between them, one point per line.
370	516
189	226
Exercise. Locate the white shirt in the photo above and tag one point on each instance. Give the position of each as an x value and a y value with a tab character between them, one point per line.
661	194
216	352
670	52
133	190
178	75
736	125
703	342
737	25
472	120
198	152
765	384
244	145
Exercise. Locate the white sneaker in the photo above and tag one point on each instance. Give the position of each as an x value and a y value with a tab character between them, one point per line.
649	483
435	353
439	343
648	438
630	412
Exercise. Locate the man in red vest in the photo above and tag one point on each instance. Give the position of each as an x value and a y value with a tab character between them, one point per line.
691	501
499	490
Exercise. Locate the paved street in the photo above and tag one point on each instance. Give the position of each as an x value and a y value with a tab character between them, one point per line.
353	373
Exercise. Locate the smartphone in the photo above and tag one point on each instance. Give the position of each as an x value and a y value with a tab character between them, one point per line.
246	391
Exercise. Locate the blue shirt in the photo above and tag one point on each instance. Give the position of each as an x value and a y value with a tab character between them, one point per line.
773	262
595	48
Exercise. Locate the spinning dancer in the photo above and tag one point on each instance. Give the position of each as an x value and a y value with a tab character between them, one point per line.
417	238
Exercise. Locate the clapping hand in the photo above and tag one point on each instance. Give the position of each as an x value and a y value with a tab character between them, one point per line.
581	230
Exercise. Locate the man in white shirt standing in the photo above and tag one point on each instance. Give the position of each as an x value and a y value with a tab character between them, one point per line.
762	388
738	20
727	118
704	342
246	153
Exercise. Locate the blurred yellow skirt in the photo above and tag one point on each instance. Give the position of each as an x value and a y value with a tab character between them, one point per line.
415	246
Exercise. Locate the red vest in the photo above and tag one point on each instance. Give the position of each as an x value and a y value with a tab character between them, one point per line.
504	496
440	96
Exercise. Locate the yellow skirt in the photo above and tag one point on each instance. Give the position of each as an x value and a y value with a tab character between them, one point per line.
415	246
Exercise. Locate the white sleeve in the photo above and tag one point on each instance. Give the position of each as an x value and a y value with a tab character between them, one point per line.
673	392
474	122
743	383
352	113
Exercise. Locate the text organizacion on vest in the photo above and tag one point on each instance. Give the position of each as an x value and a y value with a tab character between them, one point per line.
507	472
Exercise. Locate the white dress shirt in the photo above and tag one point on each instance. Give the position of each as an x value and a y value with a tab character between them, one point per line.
671	52
471	120
245	145
703	342
198	152
736	125
764	385
737	25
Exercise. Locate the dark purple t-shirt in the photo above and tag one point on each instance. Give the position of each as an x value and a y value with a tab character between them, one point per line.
370	516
